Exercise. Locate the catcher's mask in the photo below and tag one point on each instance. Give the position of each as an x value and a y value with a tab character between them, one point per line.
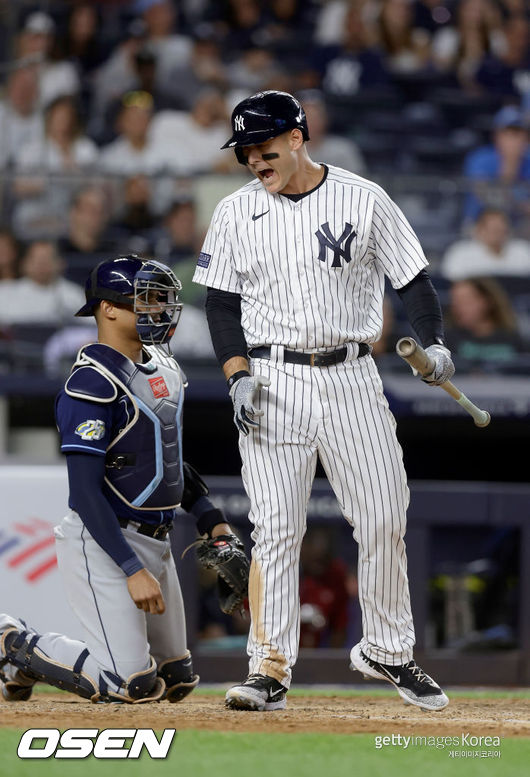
149	287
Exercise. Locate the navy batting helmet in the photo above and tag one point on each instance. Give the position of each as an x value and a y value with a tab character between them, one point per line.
150	288
263	116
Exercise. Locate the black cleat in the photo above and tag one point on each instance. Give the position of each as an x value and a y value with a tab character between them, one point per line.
412	683
258	693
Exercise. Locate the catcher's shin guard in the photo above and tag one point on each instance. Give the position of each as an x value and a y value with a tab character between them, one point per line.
178	676
20	650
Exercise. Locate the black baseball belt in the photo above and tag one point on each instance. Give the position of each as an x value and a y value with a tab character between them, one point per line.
158	531
311	359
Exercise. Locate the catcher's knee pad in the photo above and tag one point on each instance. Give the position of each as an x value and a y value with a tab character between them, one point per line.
178	676
21	650
139	687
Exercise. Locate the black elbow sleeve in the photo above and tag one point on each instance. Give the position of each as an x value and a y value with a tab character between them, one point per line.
423	310
223	311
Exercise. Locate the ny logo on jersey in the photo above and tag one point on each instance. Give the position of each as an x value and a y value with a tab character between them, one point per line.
239	123
326	240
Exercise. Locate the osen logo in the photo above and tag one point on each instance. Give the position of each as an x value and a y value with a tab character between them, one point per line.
82	742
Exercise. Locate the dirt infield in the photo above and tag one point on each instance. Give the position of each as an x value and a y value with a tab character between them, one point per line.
319	714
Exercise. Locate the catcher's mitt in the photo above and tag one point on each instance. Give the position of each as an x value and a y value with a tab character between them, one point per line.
225	554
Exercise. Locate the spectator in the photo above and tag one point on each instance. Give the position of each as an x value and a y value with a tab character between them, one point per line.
117	76
81	44
135	224
287	27
64	151
243	22
171	50
87	223
134	151
36	40
505	162
179	245
406	49
505	73
482	328
204	69
21	122
40	295
490	251
144	79
191	142
180	239
64	148
461	48
354	65
336	150
253	69
146	71
8	255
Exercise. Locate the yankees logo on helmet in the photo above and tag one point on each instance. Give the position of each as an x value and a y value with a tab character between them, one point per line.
263	116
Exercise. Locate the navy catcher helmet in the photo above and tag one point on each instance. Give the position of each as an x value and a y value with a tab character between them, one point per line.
150	288
263	116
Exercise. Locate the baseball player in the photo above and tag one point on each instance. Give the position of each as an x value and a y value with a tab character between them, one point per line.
295	262
120	420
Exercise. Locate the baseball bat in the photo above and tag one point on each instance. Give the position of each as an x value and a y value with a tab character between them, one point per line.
413	353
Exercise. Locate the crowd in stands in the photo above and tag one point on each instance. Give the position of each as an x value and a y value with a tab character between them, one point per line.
111	111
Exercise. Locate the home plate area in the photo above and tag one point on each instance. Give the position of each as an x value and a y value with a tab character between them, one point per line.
338	714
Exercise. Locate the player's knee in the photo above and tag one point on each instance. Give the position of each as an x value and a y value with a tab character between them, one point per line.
178	676
142	686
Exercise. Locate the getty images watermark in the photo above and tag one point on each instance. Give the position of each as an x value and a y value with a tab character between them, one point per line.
82	742
471	746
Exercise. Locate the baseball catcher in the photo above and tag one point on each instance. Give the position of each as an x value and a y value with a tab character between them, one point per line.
119	416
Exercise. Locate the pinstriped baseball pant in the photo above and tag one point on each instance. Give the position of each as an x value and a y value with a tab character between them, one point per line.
341	415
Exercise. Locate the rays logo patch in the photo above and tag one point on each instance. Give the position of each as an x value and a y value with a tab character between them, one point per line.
91	429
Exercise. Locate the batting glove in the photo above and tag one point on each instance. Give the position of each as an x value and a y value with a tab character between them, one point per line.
444	369
244	394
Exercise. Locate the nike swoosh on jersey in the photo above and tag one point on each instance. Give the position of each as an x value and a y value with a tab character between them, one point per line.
259	215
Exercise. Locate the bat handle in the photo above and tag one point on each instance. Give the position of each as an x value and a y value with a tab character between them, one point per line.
411	352
480	417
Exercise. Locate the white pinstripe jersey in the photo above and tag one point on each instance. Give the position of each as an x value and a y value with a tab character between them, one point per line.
310	273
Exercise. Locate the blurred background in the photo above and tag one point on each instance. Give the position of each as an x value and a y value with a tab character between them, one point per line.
112	115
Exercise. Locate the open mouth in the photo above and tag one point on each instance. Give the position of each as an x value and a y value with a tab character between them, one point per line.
266	174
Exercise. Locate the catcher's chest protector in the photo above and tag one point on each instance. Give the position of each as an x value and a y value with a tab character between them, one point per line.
144	460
